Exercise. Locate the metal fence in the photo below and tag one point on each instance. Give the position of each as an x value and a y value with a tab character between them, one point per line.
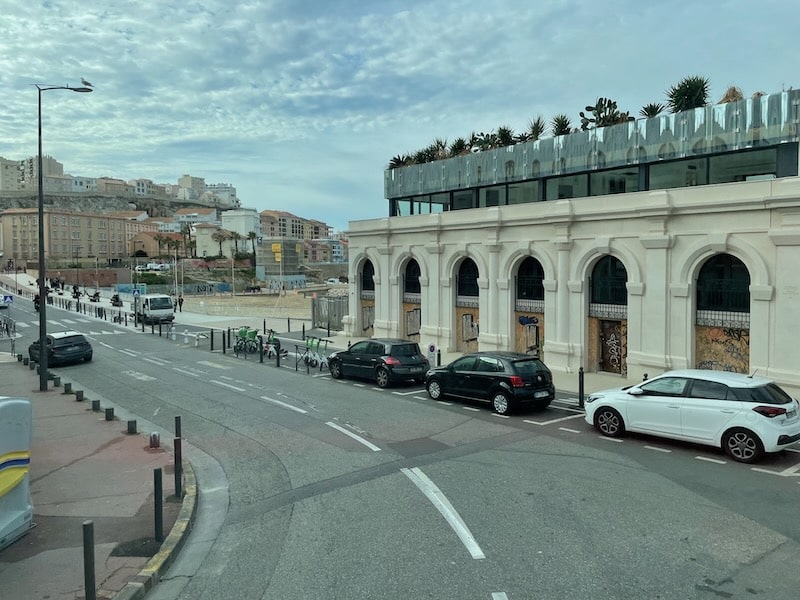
328	312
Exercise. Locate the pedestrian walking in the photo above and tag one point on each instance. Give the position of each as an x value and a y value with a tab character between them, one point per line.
180	303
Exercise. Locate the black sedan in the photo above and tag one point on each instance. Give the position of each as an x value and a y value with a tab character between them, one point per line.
506	379
382	360
63	347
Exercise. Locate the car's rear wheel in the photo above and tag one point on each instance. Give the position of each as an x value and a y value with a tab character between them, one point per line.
500	403
609	422
742	445
434	389
336	369
382	377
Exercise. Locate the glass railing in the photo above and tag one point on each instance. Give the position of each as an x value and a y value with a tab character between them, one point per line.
754	122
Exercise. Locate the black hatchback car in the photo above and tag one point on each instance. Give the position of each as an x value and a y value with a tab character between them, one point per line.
63	347
506	379
384	361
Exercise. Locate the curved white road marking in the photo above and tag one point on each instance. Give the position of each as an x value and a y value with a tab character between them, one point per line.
357	438
439	500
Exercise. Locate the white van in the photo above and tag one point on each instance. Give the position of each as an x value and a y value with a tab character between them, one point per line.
154	308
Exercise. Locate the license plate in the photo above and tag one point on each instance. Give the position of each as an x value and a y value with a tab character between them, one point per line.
542	394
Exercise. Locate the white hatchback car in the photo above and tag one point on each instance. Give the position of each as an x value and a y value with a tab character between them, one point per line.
744	415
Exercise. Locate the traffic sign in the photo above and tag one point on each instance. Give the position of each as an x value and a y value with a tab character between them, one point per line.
135	291
8	299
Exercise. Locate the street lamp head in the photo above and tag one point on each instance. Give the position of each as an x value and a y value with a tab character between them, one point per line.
82	90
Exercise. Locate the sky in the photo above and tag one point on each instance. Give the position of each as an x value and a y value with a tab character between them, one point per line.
301	104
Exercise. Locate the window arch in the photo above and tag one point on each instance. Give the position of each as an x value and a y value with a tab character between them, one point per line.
411	278
608	282
367	274
529	280
723	284
509	168
467	280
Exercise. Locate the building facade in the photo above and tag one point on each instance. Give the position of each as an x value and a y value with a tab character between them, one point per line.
662	243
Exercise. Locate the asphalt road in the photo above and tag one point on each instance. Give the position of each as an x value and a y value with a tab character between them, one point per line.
314	488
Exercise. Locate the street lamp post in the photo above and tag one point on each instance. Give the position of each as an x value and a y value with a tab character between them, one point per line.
41	245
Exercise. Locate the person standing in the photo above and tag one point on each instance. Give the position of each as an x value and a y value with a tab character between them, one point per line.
180	303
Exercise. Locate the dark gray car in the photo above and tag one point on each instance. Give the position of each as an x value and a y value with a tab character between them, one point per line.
384	361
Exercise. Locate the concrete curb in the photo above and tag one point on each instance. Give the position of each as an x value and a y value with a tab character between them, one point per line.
155	568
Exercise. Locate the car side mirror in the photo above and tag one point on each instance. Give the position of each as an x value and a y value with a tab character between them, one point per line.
636	391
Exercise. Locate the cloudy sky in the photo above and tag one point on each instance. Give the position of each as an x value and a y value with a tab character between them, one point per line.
300	104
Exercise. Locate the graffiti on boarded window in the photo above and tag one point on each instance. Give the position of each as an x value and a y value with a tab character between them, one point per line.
413	321
367	316
469	328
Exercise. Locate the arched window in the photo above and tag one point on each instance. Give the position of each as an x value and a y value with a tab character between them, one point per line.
608	282
467	284
509	169
529	280
367	273
411	278
723	284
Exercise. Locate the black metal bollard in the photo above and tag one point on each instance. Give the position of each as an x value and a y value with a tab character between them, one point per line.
110	414
78	395
644	378
178	468
95	405
288	324
132	426
67	387
158	492
178	426
580	387
304	332
261	349
159	329
439	357
88	560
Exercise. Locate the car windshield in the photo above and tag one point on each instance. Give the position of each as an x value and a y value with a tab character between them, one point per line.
768	394
160	303
529	366
405	350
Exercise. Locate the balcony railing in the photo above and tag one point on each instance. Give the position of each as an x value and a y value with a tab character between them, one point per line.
751	123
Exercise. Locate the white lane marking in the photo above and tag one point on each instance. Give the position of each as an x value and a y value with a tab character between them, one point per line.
359	385
657	449
208	363
788	472
499	596
569	430
608	439
70	321
407	393
551	421
139	376
792	449
23	324
156	361
156	411
442	504
129	353
712	460
357	438
185	372
227	377
500	416
284	405
106	345
227	385
443	402
470	408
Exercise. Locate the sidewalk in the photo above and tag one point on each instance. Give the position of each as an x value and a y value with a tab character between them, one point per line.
84	467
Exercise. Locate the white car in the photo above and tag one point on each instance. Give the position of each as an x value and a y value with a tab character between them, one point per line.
744	415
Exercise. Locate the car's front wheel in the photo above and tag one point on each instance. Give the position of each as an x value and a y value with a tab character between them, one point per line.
434	389
382	377
335	368
500	403
742	445
609	422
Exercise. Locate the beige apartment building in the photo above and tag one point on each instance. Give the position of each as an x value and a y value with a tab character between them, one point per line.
68	236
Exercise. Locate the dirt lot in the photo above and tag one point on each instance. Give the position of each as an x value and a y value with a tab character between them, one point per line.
290	305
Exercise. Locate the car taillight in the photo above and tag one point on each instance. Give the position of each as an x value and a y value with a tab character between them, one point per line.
516	381
391	360
770	411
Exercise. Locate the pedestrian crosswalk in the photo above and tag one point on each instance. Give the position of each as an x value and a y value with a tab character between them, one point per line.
69	324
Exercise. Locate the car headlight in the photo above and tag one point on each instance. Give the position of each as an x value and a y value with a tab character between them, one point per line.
592	397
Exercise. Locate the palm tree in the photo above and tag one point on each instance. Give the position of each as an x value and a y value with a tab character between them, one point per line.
536	129
651	110
235	236
186	232
160	240
505	136
689	92
253	236
459	146
401	160
191	247
561	125
219	237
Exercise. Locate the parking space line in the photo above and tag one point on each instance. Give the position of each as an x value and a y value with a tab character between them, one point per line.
551	421
657	449
494	414
408	393
608	439
470	408
443	402
499	596
712	460
789	472
357	438
569	430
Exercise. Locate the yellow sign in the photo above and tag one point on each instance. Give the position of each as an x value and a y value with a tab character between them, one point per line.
277	257
276	247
